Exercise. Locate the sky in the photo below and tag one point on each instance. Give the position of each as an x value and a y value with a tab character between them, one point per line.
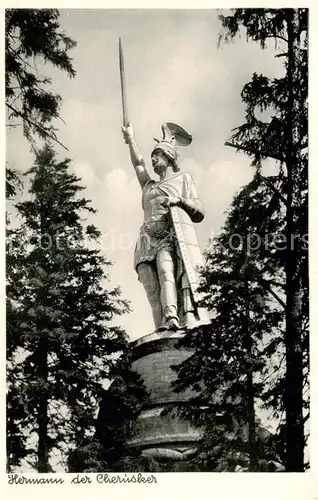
174	72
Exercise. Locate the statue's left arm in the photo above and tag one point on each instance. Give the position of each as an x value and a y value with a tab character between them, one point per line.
191	203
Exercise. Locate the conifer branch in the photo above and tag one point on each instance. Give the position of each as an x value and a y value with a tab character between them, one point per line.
255	151
36	125
278	37
271	186
274	294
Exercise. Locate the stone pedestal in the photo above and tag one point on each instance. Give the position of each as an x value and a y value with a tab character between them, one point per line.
158	432
159	435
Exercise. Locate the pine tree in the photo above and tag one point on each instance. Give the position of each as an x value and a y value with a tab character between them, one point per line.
285	138
119	407
237	359
34	37
16	412
276	273
62	326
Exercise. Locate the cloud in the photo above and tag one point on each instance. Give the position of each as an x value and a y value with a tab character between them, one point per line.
86	172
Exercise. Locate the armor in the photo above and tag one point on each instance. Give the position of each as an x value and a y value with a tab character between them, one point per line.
173	231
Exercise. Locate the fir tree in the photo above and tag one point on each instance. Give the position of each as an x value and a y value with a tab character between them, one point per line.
120	406
33	37
62	327
285	138
260	296
16	412
237	359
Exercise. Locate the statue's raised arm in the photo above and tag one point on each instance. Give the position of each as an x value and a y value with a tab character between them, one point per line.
136	158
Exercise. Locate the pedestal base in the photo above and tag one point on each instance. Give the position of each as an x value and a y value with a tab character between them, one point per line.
159	432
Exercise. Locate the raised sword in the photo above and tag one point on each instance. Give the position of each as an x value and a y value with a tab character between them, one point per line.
123	84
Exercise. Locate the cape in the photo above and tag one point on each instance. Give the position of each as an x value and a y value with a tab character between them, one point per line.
182	185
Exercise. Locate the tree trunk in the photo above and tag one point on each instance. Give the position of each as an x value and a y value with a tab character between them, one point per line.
250	393
43	449
294	458
42	360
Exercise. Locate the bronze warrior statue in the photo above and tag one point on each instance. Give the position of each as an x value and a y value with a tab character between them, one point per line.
167	253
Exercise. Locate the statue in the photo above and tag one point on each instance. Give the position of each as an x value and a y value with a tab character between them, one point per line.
167	253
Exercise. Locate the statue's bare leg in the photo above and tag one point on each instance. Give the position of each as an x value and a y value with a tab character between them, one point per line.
168	290
149	278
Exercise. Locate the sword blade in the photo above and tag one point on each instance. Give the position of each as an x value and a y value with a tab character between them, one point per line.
123	84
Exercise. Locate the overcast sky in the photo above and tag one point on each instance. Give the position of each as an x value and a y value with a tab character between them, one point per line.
174	72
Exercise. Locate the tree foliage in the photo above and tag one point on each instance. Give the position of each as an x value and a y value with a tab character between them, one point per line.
119	407
33	38
263	297
238	358
285	137
59	318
